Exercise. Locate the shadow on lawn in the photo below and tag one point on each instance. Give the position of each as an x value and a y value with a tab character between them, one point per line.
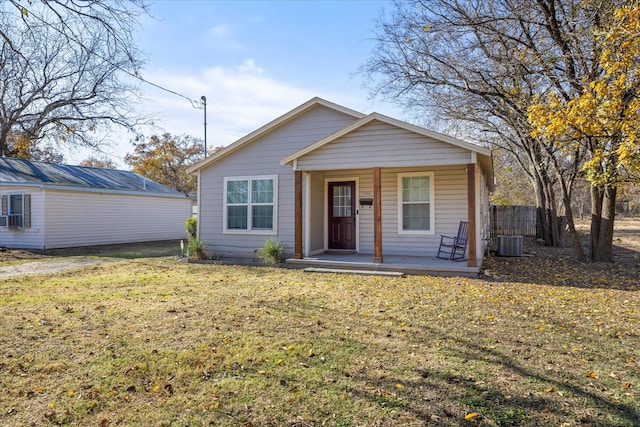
444	394
559	267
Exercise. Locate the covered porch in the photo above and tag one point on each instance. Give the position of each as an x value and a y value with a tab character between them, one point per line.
383	192
369	252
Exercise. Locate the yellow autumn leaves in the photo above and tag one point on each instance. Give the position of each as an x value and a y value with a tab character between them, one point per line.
608	109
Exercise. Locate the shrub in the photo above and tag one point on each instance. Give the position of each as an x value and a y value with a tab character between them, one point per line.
195	248
272	252
191	227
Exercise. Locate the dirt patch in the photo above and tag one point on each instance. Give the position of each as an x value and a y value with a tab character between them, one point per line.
48	266
18	255
125	250
20	262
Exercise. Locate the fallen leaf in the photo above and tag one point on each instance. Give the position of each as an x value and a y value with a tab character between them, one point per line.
592	374
471	416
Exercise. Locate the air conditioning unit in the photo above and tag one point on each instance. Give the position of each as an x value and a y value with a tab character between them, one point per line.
4	221
509	245
14	221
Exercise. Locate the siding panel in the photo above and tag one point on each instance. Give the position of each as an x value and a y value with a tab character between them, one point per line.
383	145
81	219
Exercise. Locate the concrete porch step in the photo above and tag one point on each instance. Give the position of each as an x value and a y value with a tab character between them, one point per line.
351	271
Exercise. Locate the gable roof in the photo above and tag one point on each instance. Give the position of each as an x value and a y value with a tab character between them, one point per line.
269	127
20	172
390	121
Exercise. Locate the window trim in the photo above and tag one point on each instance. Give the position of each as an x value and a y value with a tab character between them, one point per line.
249	204
9	206
431	202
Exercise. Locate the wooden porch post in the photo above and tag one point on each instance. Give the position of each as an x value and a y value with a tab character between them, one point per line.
377	215
297	239
471	214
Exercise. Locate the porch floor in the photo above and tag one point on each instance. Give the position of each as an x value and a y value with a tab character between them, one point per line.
405	264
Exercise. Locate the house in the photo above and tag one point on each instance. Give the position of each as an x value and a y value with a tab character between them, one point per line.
46	206
327	181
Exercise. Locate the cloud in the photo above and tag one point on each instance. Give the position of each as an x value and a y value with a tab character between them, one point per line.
220	30
239	100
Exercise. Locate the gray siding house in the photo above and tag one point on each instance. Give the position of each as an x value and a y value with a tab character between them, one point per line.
46	206
324	179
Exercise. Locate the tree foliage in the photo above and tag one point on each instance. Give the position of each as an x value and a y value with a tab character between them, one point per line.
21	146
601	119
605	115
165	158
65	68
96	162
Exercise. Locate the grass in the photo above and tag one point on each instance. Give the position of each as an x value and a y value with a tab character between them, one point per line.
151	341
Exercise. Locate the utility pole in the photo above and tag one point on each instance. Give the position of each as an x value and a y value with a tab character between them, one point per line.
204	103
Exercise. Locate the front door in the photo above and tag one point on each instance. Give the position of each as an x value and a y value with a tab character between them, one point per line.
342	215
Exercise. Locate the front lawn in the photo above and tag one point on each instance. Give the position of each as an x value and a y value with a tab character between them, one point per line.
155	342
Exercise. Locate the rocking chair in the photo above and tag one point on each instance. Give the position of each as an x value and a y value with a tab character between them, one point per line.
453	248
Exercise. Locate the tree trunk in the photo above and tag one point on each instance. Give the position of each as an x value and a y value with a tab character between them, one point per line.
542	226
575	239
596	216
604	244
552	214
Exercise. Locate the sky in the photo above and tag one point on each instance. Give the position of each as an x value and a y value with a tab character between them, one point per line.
253	61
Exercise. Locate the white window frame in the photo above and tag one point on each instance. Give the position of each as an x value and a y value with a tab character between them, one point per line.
249	230
9	208
432	219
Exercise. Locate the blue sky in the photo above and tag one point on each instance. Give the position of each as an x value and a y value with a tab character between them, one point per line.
253	60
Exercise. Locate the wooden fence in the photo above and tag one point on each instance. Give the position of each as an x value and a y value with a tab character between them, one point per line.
513	221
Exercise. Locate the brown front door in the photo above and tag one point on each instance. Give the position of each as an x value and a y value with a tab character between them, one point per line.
342	215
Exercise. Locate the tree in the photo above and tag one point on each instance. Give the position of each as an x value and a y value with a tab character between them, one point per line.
62	64
514	186
95	162
165	158
602	119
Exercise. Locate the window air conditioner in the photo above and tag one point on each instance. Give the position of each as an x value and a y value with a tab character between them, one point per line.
509	245
15	221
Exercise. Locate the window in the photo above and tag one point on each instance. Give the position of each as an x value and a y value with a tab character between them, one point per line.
16	211
415	202
250	204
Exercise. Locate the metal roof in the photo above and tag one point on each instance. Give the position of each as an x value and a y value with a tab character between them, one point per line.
26	172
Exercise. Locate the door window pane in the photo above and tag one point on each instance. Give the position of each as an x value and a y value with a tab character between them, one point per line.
342	201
